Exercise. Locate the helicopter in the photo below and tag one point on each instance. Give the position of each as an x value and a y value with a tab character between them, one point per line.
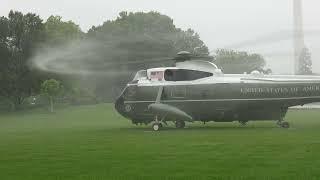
195	89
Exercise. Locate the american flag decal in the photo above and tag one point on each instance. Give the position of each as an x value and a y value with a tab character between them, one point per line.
157	75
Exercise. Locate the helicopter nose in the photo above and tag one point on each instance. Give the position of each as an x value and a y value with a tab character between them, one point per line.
119	105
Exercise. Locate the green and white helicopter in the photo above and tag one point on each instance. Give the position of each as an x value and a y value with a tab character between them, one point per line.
195	89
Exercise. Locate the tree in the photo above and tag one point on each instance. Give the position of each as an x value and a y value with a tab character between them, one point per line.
18	38
305	62
239	62
4	55
140	37
190	41
137	36
51	88
4	49
58	32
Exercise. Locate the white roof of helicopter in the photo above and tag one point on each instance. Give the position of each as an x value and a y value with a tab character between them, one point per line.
157	75
197	65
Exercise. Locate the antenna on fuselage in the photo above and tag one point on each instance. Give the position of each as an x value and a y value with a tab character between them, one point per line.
183	56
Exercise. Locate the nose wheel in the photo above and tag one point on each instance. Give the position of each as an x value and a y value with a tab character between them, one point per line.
157	125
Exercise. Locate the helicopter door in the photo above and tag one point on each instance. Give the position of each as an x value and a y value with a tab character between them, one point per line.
178	92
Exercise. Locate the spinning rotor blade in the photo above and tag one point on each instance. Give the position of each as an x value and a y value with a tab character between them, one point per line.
271	38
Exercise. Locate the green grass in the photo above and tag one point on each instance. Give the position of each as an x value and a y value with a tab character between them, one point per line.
94	142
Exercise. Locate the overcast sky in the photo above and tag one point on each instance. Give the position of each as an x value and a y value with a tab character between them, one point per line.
252	25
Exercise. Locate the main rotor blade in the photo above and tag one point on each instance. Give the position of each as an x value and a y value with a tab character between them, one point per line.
271	38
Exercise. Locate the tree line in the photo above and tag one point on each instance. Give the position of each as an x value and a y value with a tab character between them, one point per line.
130	37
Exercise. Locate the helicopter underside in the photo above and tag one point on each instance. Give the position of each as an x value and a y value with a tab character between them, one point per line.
211	111
216	110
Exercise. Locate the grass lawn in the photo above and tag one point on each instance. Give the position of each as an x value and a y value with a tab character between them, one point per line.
94	142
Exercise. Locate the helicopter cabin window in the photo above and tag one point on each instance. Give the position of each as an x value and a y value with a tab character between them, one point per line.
185	75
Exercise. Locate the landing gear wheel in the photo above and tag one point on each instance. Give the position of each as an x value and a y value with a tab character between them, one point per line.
285	125
180	124
156	126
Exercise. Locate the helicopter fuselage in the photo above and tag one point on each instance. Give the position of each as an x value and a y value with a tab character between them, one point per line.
219	98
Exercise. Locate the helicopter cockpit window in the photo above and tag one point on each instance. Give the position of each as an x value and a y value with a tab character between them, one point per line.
140	74
185	75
